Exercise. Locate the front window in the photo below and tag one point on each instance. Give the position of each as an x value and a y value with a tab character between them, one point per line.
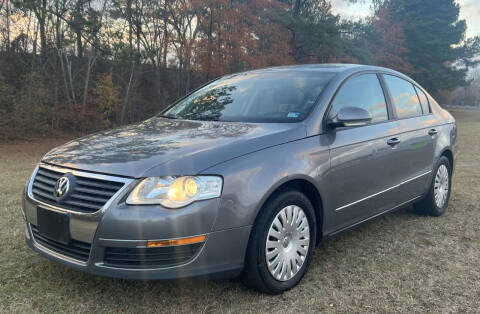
276	96
362	91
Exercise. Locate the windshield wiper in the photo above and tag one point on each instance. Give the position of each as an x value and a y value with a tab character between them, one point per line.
167	117
207	118
196	118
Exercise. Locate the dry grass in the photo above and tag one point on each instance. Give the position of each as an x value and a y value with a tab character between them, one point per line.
398	263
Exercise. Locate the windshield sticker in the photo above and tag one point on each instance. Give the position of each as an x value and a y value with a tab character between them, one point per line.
293	115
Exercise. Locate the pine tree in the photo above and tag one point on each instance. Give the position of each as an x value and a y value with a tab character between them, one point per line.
435	40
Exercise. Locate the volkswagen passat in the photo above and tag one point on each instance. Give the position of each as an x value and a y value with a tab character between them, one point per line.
243	176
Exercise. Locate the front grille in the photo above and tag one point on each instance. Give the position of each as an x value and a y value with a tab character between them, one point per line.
150	257
88	195
75	249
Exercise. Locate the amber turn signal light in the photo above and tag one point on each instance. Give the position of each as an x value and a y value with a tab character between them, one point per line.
176	242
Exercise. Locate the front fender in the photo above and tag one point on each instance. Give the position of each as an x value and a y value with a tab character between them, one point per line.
249	180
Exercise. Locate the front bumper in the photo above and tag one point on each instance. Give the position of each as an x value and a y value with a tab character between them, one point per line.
220	256
121	227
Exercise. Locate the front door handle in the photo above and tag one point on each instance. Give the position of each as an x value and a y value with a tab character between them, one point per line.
432	132
393	141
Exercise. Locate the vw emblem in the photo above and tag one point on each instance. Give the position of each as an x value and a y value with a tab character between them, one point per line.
61	188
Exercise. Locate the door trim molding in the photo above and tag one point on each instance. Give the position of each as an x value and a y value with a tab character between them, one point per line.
373	216
383	191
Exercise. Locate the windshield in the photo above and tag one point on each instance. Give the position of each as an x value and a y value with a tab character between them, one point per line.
254	97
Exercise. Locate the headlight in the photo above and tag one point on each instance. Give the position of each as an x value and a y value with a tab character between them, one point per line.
175	192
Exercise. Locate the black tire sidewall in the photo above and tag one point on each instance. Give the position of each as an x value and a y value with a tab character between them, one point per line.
287	198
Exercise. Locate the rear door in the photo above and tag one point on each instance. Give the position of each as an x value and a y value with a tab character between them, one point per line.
415	149
360	157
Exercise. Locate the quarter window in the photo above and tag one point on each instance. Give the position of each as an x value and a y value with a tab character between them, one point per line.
404	97
423	100
362	91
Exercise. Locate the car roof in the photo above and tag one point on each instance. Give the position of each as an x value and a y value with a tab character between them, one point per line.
336	68
327	67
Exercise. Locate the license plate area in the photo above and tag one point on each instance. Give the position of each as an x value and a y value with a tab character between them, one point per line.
53	225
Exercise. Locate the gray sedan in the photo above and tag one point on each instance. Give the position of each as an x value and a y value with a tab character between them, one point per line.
244	176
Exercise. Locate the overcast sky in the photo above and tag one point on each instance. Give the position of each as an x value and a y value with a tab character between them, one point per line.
470	11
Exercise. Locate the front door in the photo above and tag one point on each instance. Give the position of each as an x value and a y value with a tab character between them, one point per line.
360	157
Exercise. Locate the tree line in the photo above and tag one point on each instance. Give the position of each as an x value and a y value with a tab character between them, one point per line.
85	65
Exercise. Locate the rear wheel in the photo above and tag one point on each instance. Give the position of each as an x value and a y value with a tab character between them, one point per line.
435	202
281	244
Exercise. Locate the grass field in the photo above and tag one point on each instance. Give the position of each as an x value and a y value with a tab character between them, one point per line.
400	262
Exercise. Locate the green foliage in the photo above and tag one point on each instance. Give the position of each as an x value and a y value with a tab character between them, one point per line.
32	110
315	31
435	41
6	107
6	95
358	39
107	97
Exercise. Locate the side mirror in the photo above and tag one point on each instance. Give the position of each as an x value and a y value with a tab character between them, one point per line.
350	116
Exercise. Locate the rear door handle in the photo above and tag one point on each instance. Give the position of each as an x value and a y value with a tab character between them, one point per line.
393	141
432	132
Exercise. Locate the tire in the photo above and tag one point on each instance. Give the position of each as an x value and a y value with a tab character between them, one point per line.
290	243
429	205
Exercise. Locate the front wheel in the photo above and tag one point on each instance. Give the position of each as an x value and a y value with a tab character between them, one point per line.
281	244
435	202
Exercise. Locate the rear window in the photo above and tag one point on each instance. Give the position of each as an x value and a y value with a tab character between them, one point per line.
423	100
405	99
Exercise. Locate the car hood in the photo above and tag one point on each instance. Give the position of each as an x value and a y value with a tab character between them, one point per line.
160	146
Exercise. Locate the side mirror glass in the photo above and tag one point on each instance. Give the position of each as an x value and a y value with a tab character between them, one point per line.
350	116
